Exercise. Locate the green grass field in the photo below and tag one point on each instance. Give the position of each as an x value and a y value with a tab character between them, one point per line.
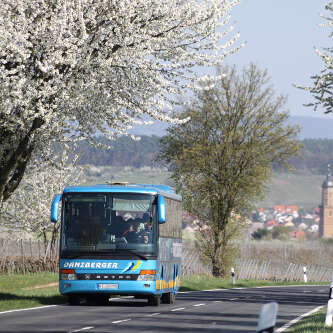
292	189
144	175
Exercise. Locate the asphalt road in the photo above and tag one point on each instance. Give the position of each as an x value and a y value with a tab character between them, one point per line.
233	310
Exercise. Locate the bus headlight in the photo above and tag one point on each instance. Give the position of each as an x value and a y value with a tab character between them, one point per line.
147	275
67	274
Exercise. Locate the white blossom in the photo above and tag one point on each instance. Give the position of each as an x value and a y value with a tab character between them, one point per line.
28	209
72	68
322	87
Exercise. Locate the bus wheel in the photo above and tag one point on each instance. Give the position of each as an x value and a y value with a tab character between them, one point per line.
168	298
73	299
154	300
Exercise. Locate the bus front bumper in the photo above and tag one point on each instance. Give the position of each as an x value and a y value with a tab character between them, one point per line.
131	288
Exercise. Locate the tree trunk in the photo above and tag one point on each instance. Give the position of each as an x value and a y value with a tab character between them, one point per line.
216	262
54	237
12	167
45	240
221	255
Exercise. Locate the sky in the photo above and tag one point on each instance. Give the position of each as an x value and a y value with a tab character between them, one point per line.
280	36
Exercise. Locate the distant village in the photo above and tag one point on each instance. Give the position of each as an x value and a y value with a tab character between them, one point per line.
297	223
282	222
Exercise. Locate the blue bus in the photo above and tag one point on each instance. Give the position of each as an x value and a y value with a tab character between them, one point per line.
119	239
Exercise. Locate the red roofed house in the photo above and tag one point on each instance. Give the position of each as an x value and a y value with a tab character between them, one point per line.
280	208
272	223
291	209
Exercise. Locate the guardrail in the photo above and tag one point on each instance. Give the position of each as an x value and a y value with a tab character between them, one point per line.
27	248
281	271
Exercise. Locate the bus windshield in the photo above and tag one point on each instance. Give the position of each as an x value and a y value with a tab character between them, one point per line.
108	223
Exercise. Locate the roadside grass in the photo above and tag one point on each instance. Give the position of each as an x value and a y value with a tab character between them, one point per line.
202	282
19	291
16	291
312	324
14	282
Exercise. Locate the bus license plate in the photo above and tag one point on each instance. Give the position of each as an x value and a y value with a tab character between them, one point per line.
108	286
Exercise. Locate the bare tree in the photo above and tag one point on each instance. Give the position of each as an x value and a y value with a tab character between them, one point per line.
223	156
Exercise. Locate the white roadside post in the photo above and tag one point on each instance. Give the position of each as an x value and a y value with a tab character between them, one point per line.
233	276
305	276
267	318
329	312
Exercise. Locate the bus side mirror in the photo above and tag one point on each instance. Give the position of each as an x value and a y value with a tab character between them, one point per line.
161	209
55	208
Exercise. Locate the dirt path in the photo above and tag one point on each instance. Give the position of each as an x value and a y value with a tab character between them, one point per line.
53	284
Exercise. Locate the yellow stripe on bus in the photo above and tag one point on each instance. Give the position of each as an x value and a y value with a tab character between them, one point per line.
136	266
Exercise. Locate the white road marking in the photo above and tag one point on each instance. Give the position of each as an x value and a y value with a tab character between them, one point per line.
179	292
83	329
37	308
48	306
120	321
294	321
218	301
201	304
153	314
233	299
178	309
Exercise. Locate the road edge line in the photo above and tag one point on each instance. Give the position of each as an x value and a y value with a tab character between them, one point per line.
240	288
26	309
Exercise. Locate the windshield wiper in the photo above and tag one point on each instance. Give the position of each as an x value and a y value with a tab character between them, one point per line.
72	256
114	253
102	253
80	254
141	256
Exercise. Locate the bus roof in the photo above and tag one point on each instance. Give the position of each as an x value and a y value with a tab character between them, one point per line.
153	189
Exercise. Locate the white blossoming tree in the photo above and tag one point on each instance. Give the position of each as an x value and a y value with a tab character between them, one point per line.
72	68
28	209
322	89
